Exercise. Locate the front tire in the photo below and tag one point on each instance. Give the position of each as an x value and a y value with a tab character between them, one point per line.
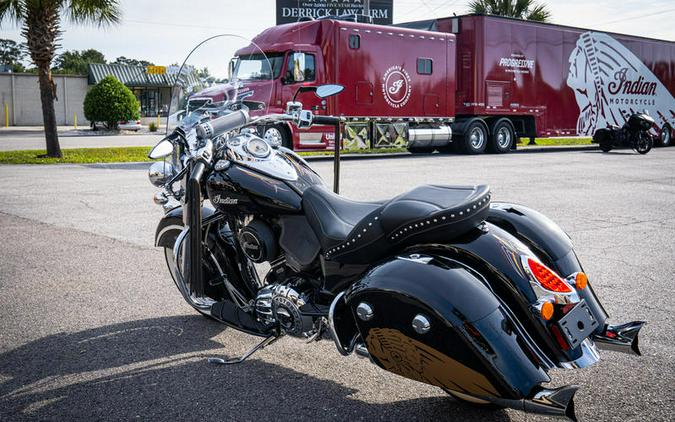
278	135
475	138
644	143
605	146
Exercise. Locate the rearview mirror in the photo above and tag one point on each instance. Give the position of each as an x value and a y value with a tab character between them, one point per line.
162	149
325	91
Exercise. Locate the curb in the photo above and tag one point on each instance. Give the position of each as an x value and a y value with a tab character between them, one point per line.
523	150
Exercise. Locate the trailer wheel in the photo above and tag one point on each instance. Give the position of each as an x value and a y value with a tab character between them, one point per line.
278	135
502	137
475	138
665	138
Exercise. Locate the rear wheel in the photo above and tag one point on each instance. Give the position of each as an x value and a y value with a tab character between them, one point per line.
475	138
665	138
502	137
605	146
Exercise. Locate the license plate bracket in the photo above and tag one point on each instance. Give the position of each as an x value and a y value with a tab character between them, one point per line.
577	324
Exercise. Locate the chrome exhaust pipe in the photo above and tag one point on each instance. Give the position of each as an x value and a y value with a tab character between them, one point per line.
620	338
556	402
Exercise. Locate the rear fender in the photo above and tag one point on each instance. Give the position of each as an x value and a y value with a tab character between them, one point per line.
549	242
471	346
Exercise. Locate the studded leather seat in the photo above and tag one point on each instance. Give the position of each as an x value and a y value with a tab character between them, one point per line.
358	232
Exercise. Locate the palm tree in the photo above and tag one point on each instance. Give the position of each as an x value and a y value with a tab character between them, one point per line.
40	22
521	9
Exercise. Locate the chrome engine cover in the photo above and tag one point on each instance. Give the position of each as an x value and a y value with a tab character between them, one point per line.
277	303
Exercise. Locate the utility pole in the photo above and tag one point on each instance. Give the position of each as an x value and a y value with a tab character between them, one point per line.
366	8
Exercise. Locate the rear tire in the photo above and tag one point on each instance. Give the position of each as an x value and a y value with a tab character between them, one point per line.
605	146
502	137
665	138
475	138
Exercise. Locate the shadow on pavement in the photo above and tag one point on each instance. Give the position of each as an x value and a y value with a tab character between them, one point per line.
155	369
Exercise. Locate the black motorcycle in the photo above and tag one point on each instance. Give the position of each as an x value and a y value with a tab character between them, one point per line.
439	284
633	134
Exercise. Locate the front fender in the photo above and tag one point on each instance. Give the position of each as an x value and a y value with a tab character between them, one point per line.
171	225
471	347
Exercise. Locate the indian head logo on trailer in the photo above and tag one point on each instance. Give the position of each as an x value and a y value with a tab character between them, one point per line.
610	83
396	86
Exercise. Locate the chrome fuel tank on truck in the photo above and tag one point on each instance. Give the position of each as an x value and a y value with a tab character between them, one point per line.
255	180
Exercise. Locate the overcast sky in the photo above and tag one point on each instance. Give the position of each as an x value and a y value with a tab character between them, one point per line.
164	31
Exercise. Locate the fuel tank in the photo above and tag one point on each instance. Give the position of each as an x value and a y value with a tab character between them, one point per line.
250	187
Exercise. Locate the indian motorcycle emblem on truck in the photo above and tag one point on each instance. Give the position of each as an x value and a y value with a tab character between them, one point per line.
610	83
396	86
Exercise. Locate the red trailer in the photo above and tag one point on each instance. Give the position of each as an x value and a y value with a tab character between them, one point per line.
478	82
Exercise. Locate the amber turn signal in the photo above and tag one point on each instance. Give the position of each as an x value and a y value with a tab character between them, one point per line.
547	310
581	281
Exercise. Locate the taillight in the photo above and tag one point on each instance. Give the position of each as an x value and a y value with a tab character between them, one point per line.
547	278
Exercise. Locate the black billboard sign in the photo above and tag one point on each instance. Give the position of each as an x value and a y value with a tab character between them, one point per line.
289	11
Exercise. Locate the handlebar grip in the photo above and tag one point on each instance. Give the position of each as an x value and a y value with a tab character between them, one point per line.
220	125
325	120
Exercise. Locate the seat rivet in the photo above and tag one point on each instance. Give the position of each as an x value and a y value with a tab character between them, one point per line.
461	213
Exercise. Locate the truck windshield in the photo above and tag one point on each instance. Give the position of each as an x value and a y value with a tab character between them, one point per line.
258	67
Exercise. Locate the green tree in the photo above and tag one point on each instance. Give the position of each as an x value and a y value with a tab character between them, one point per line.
40	22
110	102
132	62
520	9
12	54
77	62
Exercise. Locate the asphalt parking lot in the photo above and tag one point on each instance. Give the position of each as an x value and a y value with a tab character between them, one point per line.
92	328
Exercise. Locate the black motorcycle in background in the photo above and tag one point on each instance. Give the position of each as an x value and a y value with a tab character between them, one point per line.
633	134
439	284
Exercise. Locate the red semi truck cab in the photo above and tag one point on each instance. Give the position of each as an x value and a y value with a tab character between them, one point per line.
472	83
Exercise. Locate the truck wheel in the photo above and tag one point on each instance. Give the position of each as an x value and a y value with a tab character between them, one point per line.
475	138
665	138
278	135
502	137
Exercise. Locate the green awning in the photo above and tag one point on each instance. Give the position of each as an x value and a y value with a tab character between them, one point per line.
135	76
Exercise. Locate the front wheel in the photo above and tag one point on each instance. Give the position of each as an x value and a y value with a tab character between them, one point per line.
644	143
605	146
278	135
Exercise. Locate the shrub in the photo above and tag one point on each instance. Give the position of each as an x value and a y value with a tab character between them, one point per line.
152	126
110	102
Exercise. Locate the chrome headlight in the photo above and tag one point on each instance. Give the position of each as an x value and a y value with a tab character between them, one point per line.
160	172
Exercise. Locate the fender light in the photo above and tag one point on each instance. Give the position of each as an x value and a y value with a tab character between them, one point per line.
580	281
547	278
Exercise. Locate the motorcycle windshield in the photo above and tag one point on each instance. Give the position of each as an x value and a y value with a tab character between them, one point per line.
221	74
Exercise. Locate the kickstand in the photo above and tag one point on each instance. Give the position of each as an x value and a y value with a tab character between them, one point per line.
266	342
